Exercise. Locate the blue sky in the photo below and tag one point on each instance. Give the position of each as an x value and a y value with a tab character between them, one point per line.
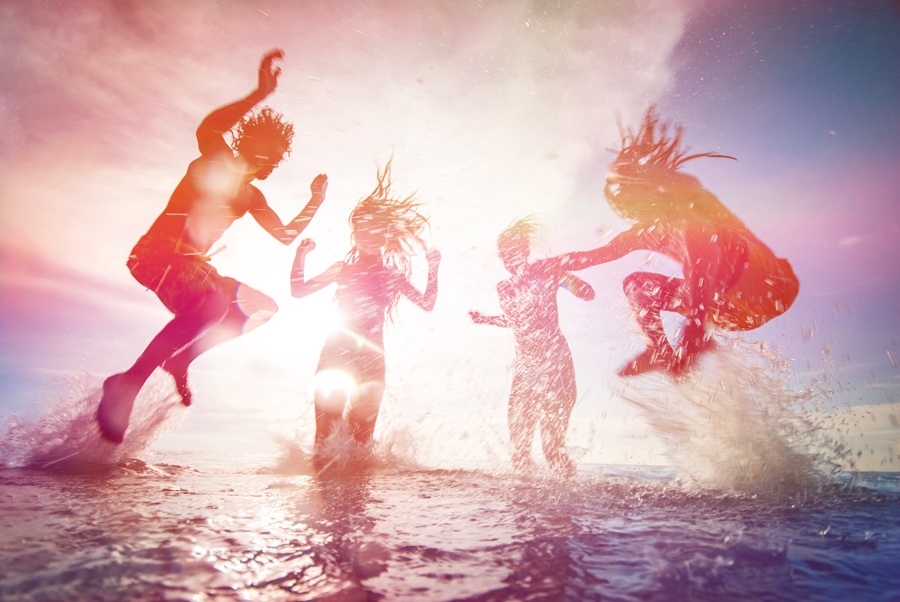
492	111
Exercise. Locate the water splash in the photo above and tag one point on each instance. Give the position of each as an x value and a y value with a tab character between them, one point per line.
395	452
734	424
65	436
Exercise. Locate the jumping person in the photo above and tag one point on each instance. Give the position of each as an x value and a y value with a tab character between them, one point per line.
729	280
172	258
370	280
543	390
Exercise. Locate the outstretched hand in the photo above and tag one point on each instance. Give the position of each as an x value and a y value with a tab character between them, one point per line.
268	75
477	317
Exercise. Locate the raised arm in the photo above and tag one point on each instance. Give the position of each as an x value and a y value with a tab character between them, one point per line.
287	233
300	287
210	133
427	299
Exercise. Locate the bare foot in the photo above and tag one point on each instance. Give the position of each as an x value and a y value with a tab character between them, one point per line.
179	373
115	406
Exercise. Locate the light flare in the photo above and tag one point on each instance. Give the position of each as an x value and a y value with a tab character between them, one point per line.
333	388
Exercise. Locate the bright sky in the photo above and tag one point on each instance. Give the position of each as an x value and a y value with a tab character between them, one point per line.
492	110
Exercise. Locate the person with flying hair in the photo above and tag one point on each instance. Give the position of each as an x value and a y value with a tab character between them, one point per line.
543	391
350	378
173	258
729	278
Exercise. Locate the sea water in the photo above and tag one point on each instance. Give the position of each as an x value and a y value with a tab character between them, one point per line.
198	528
751	507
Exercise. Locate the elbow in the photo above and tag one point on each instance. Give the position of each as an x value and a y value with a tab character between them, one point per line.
285	235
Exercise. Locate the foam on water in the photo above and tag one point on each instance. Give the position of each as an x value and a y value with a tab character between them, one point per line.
733	423
64	434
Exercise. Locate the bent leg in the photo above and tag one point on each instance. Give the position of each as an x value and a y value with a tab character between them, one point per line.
650	294
120	390
235	323
716	258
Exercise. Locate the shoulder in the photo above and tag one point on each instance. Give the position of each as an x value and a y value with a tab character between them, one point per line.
254	197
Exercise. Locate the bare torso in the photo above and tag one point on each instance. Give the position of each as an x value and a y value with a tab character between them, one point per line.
209	198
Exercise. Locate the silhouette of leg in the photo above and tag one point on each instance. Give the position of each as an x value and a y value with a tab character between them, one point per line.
120	390
363	411
235	323
716	258
329	405
650	294
555	414
521	418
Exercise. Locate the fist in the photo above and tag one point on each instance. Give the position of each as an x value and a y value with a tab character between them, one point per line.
433	256
318	186
268	75
306	245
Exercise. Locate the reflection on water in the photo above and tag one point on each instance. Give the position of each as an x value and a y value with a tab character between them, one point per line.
168	531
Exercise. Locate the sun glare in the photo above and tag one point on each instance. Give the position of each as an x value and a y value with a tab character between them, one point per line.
333	387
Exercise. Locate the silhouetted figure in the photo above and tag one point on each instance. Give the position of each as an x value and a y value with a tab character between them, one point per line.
350	377
730	279
543	387
172	258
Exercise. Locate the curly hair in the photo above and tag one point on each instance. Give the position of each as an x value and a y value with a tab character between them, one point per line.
398	218
653	145
261	128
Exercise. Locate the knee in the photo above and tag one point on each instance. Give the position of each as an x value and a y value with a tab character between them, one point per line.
268	306
253	307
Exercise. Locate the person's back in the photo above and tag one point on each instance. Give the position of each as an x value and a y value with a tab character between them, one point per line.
363	296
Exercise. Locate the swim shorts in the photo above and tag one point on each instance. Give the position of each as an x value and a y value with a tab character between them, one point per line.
181	276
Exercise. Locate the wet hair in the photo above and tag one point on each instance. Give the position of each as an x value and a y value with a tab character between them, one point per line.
522	232
260	129
400	220
645	183
655	145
